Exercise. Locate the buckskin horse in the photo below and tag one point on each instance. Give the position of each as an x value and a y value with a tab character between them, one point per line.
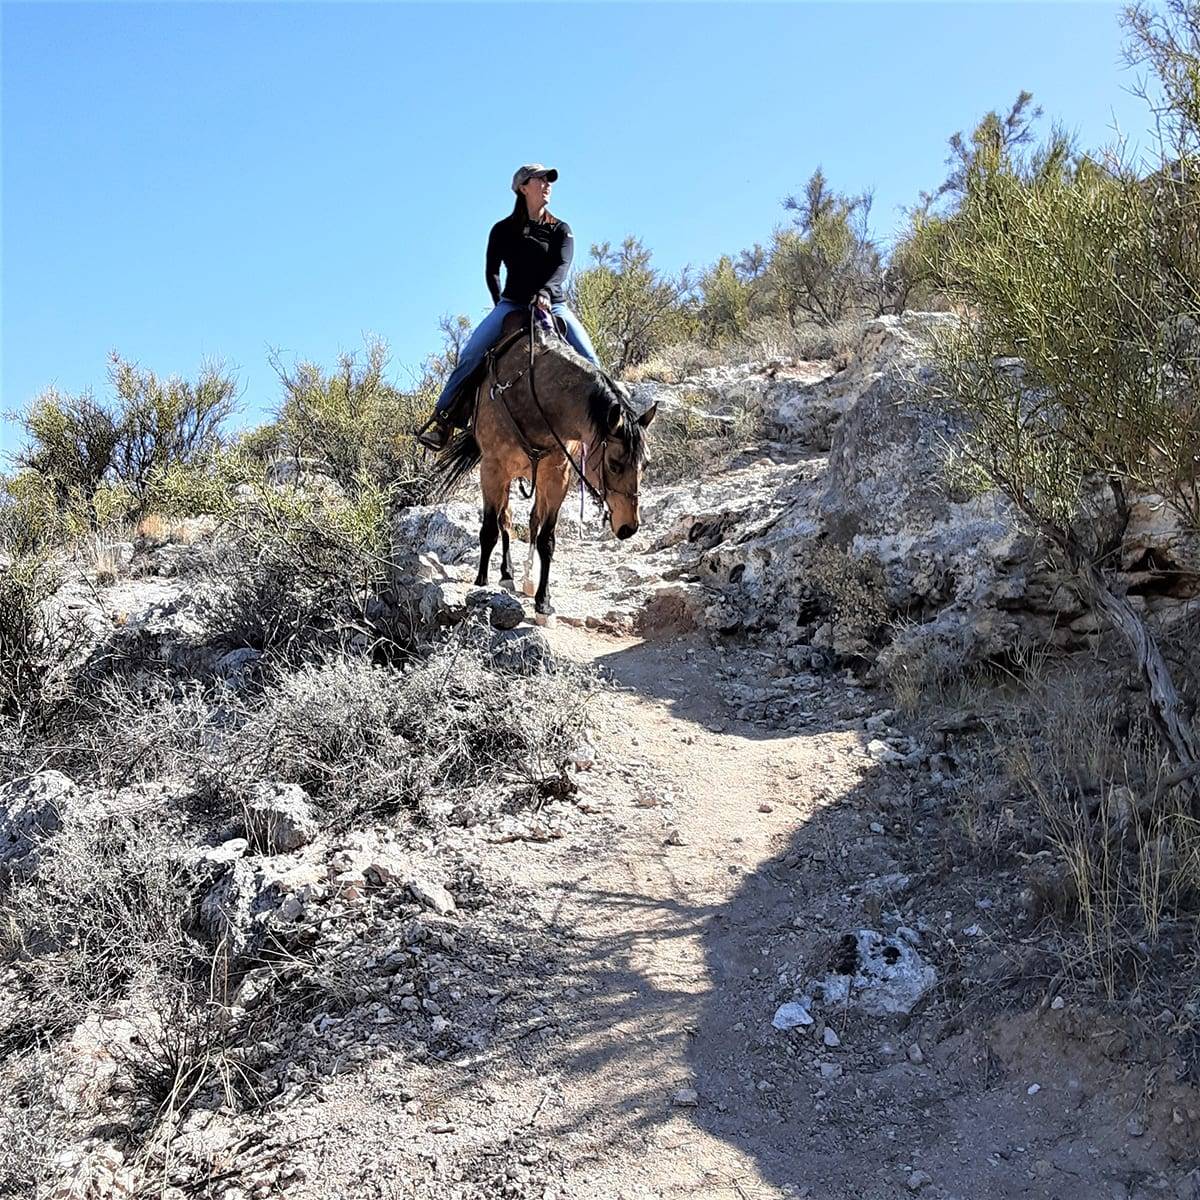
543	413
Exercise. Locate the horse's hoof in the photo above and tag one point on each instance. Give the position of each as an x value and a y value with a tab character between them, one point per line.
529	587
508	584
545	620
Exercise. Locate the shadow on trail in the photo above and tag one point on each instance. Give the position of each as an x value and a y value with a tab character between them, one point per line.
687	978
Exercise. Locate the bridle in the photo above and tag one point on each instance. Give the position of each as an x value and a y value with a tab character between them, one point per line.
536	453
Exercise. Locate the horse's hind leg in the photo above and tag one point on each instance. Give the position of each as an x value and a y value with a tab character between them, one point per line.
506	567
489	480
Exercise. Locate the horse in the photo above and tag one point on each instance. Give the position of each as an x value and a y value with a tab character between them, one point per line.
545	414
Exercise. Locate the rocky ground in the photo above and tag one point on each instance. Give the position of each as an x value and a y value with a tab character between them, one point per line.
746	950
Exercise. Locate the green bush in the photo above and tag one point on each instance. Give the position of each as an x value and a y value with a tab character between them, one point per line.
724	302
355	424
100	462
31	516
1078	372
167	424
207	487
630	308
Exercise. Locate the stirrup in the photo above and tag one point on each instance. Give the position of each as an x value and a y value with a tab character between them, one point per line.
435	433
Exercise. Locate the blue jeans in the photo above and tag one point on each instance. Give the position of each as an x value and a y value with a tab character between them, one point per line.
487	333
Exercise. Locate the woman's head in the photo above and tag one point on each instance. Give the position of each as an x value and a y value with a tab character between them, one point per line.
533	184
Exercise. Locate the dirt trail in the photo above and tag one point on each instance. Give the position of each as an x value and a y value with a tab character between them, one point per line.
722	862
648	911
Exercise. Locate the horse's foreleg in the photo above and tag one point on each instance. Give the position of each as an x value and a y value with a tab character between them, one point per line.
533	570
545	550
552	488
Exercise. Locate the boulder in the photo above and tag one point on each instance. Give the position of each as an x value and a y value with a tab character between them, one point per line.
279	818
432	895
236	667
31	809
880	975
523	651
504	610
242	906
448	532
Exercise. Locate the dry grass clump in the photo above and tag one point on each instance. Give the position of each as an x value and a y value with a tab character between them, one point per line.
1126	839
368	741
765	339
108	905
676	363
687	440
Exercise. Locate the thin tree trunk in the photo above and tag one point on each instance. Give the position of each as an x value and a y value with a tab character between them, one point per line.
1166	708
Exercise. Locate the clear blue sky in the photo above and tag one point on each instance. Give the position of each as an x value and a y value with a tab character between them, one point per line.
188	180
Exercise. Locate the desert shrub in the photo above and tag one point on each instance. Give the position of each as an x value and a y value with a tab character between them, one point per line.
688	440
630	308
201	488
166	424
31	517
844	591
724	308
35	1126
260	445
138	727
71	444
36	647
100	461
355	424
828	266
293	569
1085	275
365	740
109	905
368	741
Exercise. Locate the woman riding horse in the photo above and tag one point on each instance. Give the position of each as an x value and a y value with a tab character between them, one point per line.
536	248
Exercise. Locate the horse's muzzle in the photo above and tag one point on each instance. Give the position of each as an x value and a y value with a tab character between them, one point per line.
626	531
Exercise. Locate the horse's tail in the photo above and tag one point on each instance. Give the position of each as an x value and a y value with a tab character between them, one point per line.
460	456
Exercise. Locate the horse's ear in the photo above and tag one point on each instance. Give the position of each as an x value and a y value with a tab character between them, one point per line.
647	416
615	412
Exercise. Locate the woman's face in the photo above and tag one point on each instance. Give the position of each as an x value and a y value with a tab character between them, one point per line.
537	194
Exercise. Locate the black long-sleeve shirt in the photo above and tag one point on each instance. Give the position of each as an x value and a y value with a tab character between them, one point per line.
539	257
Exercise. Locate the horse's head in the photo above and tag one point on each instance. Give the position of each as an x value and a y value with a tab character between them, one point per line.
618	474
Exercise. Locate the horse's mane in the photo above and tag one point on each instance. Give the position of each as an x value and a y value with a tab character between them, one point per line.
605	392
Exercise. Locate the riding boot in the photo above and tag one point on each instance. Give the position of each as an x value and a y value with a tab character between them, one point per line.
435	433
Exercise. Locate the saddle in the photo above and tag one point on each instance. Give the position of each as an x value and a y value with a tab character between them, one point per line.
462	405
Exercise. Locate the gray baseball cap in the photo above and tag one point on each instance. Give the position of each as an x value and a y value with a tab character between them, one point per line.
529	171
